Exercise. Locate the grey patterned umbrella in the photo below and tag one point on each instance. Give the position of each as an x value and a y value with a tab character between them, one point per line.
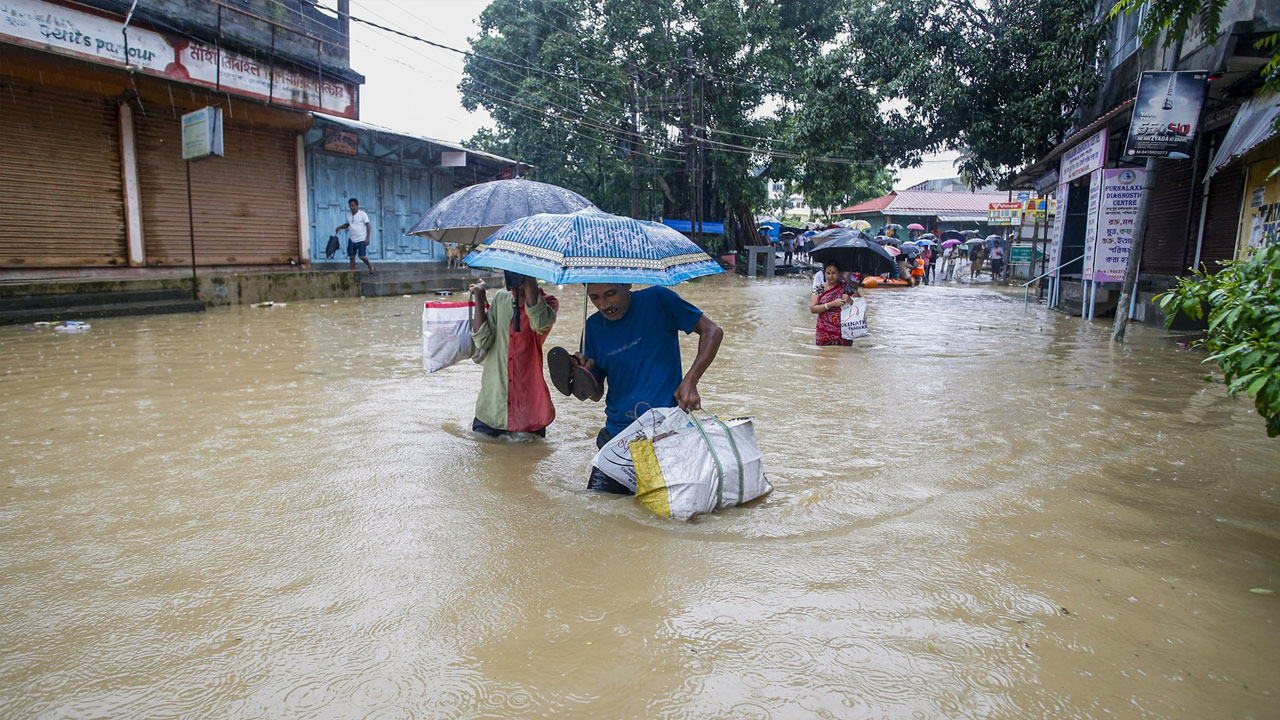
472	214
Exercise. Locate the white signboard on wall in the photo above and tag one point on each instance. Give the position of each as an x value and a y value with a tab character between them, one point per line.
1059	223
1117	214
1084	158
97	38
1091	228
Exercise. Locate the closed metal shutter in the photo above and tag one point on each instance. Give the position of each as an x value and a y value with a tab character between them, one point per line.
62	203
245	203
1222	216
1164	251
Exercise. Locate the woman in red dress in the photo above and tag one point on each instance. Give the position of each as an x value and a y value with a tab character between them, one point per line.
826	302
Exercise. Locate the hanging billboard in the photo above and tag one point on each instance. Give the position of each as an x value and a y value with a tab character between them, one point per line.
1165	115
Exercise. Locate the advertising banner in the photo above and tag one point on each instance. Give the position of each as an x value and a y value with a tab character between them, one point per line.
1165	114
1036	210
1047	182
1084	158
66	31
1117	214
1091	227
1005	213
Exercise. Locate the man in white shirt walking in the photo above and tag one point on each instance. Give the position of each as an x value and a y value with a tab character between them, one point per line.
358	233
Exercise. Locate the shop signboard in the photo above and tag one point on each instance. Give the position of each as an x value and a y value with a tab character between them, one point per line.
202	133
1021	254
1047	182
1059	222
1117	213
1005	213
1089	155
67	31
342	142
1165	114
1035	210
1091	227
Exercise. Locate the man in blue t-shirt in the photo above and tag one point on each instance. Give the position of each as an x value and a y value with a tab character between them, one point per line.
632	346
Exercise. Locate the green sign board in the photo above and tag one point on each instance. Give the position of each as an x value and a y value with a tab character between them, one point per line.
1021	254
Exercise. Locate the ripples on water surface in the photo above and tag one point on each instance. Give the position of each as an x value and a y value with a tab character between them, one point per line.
979	512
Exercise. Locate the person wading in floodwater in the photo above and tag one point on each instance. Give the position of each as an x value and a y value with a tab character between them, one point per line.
632	342
510	330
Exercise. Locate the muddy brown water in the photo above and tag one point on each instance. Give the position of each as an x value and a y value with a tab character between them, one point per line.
978	513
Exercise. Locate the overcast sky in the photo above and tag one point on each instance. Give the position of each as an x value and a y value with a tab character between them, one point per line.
413	88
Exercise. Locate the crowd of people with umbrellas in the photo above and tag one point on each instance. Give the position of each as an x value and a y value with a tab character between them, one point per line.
887	259
849	257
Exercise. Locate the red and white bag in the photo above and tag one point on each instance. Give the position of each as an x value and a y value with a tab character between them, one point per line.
446	334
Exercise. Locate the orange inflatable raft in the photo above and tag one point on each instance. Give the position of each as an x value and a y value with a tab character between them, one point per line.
875	281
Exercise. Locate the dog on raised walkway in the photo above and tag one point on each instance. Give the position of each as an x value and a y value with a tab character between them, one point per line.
453	254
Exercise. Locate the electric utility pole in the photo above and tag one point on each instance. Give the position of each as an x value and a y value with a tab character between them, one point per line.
635	144
1129	287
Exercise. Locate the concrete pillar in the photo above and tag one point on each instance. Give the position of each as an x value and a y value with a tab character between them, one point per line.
770	259
304	203
132	195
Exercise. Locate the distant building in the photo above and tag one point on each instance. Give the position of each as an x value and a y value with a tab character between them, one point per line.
93	170
951	184
936	211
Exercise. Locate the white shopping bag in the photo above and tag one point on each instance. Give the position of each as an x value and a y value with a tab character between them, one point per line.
709	464
853	319
446	334
614	459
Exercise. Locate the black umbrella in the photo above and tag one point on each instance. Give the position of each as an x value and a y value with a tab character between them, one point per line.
952	235
852	251
470	215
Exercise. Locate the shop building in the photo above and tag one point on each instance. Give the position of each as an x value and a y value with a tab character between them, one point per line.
90	113
396	177
1195	209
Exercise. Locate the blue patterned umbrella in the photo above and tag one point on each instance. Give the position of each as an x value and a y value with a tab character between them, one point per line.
591	246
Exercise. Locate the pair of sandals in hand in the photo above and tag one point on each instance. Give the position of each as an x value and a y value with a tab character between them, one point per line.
569	377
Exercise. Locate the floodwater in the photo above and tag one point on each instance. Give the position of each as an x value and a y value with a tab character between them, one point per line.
978	513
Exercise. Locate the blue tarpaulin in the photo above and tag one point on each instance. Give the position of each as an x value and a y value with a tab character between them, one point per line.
684	226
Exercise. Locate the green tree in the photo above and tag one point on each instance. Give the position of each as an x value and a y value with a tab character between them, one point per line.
555	76
1243	338
999	79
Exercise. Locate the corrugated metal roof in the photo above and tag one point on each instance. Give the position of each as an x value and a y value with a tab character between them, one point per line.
369	127
928	202
1253	125
924	202
870	206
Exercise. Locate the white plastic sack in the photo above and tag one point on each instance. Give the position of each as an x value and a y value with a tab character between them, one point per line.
707	465
614	459
853	319
446	334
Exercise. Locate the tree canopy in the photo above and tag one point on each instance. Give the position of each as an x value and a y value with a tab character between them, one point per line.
824	94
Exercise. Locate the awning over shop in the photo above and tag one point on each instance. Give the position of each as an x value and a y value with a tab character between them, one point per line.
442	144
1254	124
962	218
1114	117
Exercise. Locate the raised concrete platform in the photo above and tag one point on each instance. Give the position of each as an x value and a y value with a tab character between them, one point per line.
58	295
